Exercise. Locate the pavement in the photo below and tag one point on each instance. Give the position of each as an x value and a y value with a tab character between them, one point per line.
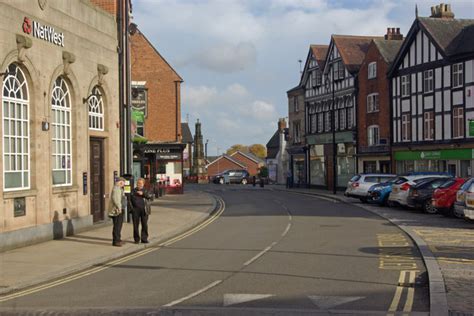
171	216
446	244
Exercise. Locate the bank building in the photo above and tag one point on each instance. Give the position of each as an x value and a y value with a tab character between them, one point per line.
60	118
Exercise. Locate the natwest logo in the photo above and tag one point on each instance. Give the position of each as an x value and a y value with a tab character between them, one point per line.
44	32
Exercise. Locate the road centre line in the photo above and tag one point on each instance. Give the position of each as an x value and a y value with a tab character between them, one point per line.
115	262
204	289
261	253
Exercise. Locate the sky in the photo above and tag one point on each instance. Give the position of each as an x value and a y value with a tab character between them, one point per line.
239	57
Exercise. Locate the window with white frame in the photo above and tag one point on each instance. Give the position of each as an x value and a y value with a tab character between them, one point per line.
341	70
350	118
428	125
96	110
327	121
457	75
61	133
372	70
405	86
373	103
343	119
458	122
16	130
428	81
406	127
373	136
320	122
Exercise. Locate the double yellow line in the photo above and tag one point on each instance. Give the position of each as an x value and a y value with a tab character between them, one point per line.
117	261
398	293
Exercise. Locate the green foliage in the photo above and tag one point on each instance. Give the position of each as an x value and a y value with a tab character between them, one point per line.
258	150
263	172
237	147
139	140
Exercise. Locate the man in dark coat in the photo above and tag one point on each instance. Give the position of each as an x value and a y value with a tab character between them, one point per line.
140	197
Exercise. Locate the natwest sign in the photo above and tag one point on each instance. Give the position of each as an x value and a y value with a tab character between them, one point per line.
44	32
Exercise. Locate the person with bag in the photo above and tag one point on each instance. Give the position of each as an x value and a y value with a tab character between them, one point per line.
115	211
141	208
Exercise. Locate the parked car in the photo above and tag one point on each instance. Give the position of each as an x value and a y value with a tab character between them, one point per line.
359	185
232	176
469	198
400	188
378	193
460	203
445	196
420	194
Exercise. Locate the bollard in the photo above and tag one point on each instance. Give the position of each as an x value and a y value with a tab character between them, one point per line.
254	180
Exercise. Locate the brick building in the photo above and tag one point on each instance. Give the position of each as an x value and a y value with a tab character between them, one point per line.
156	107
373	112
223	163
250	161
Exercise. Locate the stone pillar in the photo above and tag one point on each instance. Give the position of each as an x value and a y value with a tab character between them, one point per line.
199	164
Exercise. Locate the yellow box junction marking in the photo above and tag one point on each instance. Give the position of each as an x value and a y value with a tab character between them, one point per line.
395	252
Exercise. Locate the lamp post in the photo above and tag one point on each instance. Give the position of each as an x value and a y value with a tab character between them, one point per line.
333	120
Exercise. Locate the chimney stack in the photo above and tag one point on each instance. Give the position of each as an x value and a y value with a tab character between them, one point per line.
442	11
393	34
281	124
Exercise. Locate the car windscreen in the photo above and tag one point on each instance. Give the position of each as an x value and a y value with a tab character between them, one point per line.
355	178
447	184
467	184
371	179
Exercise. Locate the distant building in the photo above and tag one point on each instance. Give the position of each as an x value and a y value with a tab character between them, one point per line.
156	106
223	163
277	155
250	161
373	112
187	138
432	89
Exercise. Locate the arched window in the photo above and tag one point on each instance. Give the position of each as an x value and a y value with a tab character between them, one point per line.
96	110
62	133
16	131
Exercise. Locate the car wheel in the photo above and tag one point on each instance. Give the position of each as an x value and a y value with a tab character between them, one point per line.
429	208
385	202
244	181
363	200
221	181
458	215
391	204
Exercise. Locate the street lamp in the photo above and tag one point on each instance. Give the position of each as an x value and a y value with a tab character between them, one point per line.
333	119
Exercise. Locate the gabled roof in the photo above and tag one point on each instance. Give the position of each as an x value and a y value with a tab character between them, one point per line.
186	133
388	48
274	142
248	155
353	49
224	156
453	36
320	52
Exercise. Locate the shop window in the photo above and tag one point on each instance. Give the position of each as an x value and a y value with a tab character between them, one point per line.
370	166
61	133
96	110
16	130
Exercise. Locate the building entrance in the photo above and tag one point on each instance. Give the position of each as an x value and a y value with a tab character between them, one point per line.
97	179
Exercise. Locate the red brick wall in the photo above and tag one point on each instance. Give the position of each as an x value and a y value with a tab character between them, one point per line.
163	122
107	5
368	86
221	165
252	166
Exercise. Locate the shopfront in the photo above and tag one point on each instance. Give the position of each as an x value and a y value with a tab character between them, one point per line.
161	165
298	165
458	162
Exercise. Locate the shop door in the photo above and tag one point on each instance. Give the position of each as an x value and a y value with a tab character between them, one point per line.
385	166
452	169
97	179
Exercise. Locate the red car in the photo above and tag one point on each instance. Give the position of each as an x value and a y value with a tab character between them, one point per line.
445	196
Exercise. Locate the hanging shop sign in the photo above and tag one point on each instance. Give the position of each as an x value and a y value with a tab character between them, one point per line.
45	32
165	153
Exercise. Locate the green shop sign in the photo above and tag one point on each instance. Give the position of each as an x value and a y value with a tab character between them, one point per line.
445	154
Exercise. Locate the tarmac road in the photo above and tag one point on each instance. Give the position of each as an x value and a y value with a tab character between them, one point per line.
269	252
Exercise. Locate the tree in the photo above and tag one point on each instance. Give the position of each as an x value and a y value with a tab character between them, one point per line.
258	150
237	147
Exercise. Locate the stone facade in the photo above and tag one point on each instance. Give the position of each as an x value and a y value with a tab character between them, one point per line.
81	52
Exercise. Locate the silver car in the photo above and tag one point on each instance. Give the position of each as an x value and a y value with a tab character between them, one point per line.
359	185
400	188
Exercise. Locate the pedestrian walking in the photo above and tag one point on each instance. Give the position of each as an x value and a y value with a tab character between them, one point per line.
289	178
141	199
116	208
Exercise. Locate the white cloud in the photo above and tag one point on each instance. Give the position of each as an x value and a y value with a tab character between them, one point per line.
198	96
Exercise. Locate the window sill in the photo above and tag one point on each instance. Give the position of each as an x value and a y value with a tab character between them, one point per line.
20	193
65	189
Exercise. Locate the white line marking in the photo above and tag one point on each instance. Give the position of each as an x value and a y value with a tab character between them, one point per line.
204	289
286	230
233	299
261	253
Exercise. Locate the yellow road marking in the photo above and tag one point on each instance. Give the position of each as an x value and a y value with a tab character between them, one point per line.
398	293
411	293
114	262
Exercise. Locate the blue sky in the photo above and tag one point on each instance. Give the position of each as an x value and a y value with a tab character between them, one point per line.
239	57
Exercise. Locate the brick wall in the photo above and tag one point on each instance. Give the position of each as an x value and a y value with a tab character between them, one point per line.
367	86
252	166
221	165
163	122
296	116
107	5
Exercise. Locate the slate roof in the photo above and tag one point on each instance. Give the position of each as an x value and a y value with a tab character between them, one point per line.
273	146
388	48
186	133
353	49
224	156
320	52
453	36
248	155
